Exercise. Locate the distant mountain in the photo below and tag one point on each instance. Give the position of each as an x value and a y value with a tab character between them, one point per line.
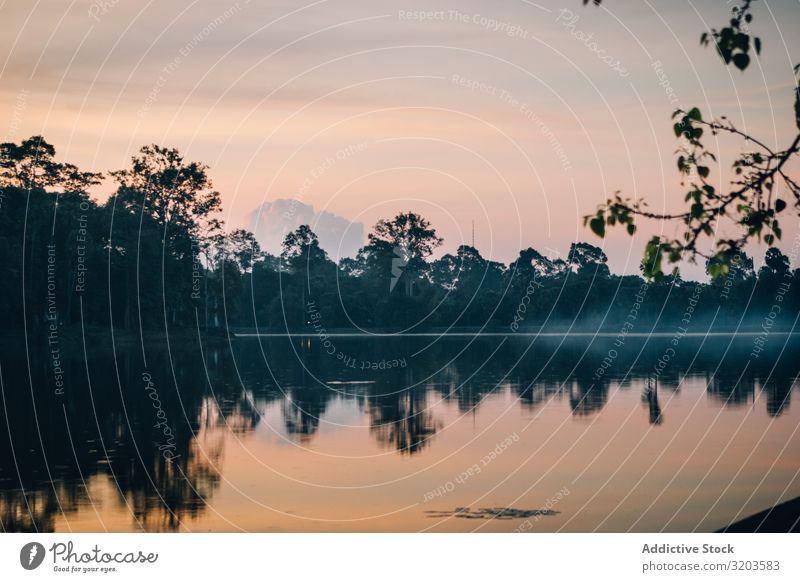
271	221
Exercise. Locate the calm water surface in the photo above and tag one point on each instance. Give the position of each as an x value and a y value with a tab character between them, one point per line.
401	434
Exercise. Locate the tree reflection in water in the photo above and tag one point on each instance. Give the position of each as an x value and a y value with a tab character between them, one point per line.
56	454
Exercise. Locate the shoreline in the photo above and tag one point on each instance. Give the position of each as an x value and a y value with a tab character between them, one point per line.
603	334
781	518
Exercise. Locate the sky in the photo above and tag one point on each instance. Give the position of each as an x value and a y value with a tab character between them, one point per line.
518	116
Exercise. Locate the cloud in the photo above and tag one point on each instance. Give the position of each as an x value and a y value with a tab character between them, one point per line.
272	221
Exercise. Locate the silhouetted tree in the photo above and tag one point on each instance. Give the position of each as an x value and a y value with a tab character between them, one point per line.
775	263
410	239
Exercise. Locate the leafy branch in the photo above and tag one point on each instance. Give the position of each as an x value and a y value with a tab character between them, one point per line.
752	202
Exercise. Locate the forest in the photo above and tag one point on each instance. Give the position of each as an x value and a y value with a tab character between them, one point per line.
155	257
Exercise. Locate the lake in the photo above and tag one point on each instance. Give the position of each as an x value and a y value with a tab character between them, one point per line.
495	433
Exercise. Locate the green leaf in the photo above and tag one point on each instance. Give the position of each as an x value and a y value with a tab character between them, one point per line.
741	60
598	226
703	171
716	269
742	41
779	205
631	229
757	43
651	262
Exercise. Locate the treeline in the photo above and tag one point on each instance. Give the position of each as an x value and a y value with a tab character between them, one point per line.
156	256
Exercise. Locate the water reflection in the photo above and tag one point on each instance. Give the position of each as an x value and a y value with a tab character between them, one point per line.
586	397
650	396
402	421
62	458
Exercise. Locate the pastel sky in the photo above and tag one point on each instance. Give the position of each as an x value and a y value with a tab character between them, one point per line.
503	113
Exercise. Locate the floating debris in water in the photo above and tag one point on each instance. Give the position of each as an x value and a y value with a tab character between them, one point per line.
491	513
